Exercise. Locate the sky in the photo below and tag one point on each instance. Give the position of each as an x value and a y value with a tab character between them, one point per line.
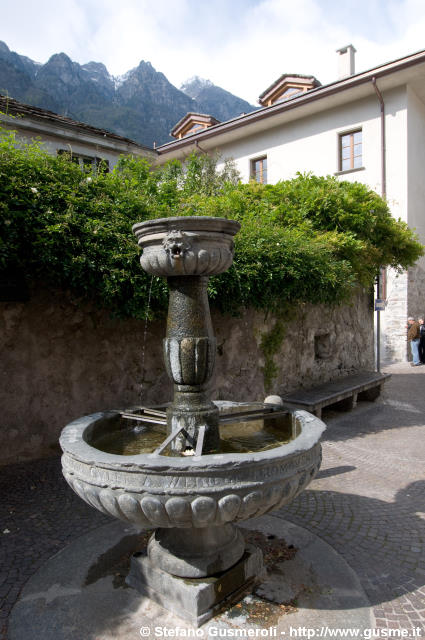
240	45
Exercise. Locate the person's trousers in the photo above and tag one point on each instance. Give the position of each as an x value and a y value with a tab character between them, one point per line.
422	349
414	346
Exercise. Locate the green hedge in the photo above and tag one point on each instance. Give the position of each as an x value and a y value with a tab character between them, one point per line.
310	239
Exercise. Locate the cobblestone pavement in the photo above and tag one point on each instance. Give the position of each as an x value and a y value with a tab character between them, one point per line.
368	502
39	515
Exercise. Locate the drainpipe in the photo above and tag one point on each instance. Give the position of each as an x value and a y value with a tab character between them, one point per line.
198	146
384	195
383	165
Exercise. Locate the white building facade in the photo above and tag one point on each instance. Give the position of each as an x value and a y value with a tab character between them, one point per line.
367	127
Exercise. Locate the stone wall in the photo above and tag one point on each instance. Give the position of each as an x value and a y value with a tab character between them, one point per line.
406	297
61	359
416	290
394	318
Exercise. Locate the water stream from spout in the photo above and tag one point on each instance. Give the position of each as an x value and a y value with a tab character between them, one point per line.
242	296
145	333
238	278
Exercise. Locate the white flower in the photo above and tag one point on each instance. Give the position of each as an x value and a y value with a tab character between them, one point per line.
34	190
6	531
89	179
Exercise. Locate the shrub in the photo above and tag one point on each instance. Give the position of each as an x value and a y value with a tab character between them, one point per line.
309	239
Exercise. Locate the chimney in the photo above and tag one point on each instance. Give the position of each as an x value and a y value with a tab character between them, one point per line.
346	61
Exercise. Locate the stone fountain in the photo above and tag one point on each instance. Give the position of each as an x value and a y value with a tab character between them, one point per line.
189	487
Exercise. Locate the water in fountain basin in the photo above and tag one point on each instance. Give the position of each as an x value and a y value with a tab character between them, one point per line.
122	437
264	433
126	439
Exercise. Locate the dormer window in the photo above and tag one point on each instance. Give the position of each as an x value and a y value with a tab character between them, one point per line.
194	129
193	123
289	93
287	87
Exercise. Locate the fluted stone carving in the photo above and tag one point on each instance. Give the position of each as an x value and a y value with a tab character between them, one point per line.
190	361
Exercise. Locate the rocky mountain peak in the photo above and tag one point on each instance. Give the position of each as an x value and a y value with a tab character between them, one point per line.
16	72
144	81
98	73
60	59
141	104
96	68
214	100
146	71
61	72
193	86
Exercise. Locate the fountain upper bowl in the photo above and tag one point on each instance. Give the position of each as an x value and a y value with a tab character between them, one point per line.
186	245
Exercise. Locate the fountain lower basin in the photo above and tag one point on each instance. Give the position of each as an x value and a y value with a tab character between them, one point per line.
196	493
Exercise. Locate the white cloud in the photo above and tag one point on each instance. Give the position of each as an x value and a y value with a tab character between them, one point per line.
39	29
241	45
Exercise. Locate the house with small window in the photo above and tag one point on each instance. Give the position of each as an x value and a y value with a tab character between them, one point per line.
286	87
84	144
367	127
192	123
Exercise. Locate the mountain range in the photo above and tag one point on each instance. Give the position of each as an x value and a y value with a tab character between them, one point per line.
142	104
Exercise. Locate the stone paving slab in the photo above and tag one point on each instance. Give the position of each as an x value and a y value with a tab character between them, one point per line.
368	503
60	603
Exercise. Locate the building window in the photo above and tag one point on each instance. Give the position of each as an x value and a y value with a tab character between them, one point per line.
259	170
194	129
290	92
87	163
350	150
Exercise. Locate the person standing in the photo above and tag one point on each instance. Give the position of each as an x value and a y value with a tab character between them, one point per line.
413	336
421	340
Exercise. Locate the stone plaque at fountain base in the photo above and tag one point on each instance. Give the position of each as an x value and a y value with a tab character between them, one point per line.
196	600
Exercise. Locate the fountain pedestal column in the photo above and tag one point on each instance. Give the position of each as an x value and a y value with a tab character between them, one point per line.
196	553
187	251
189	354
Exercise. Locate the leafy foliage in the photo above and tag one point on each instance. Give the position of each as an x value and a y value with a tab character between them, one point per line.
270	345
309	239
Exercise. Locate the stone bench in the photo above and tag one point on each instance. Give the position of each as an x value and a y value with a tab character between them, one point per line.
343	392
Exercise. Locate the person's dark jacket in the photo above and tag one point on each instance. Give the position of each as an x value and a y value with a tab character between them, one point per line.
413	332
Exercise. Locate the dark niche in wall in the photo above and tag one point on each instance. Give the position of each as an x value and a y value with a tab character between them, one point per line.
322	346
